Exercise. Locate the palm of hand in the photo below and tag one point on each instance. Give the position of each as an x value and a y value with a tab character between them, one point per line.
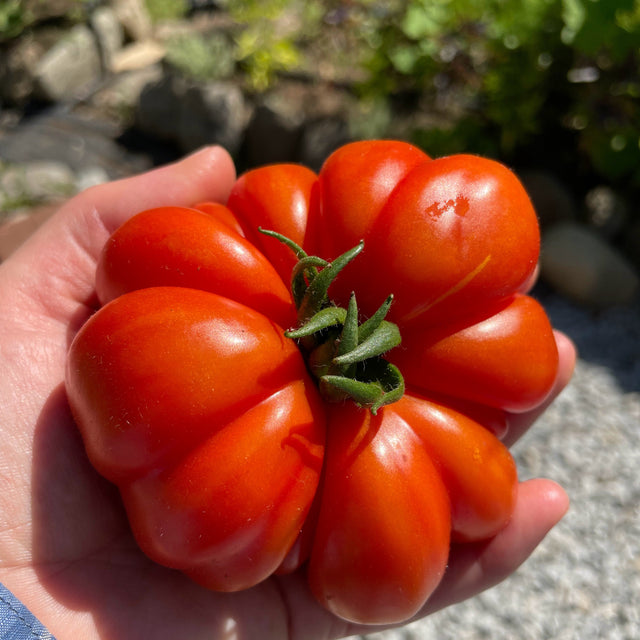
65	545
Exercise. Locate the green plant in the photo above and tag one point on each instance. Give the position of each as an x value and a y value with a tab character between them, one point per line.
202	57
166	9
12	19
267	42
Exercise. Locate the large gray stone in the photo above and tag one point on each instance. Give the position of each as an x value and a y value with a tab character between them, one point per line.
215	113
551	199
134	17
75	141
159	107
35	181
109	33
19	64
320	138
578	263
70	67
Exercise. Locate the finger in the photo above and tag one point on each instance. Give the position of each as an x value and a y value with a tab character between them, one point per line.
206	175
57	264
475	567
518	423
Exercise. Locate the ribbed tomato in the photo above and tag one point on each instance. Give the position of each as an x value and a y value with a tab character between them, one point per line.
344	417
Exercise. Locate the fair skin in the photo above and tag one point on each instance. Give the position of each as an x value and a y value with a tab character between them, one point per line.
65	547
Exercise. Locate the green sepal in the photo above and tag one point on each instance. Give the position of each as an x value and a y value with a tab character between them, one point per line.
370	325
349	336
304	272
317	293
372	394
342	356
384	338
327	317
297	249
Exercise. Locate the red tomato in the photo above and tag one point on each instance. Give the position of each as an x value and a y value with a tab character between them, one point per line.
235	457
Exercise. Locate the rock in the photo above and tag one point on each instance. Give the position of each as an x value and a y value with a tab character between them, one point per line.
215	113
320	138
37	10
119	97
631	243
110	34
137	55
290	121
90	177
552	201
134	17
73	140
193	115
69	67
35	181
578	263
275	130
159	107
606	211
19	64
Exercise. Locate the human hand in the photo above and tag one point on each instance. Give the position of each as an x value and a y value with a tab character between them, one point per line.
65	546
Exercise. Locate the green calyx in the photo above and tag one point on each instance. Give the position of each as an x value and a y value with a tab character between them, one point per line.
343	355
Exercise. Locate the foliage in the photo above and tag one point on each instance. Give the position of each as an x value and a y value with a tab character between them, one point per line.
267	43
16	16
201	57
166	9
12	19
507	76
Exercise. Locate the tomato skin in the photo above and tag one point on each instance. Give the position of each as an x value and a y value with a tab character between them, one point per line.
457	234
279	198
157	370
507	360
355	184
139	380
382	538
229	511
177	246
477	470
191	399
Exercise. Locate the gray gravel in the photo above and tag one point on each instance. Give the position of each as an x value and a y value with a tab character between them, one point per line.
583	582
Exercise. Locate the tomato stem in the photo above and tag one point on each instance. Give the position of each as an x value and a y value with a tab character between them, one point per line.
344	356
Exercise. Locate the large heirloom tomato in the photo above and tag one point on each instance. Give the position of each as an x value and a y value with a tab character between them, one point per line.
317	374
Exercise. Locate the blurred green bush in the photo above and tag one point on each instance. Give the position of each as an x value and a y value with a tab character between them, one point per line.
539	82
556	80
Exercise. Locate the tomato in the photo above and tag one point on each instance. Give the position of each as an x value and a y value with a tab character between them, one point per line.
316	374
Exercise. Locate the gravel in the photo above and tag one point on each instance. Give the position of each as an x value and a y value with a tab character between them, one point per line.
583	581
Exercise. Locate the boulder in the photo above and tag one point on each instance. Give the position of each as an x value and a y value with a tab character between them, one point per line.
19	64
134	17
579	263
36	181
70	67
213	113
159	107
320	138
551	199
110	34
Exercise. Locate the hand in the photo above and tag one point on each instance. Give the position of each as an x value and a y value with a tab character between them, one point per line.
65	546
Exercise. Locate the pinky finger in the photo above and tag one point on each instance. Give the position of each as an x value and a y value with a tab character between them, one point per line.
518	423
476	567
